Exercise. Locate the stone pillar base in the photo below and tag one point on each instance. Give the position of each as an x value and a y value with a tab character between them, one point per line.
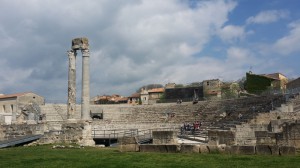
87	139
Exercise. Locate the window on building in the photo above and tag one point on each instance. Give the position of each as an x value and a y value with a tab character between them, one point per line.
12	107
207	83
3	108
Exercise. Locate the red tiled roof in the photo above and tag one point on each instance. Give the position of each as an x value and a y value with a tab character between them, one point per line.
273	76
122	99
13	95
135	95
156	90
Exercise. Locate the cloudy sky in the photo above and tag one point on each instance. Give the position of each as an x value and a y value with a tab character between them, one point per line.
139	42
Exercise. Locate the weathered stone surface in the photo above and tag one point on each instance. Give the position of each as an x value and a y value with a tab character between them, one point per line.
287	150
274	149
87	139
17	130
127	140
228	149
159	148
218	137
263	150
85	94
222	148
212	148
164	137
129	148
80	43
204	149
184	148
244	150
72	85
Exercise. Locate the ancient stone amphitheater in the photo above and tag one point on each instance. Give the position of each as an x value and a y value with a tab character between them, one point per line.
257	120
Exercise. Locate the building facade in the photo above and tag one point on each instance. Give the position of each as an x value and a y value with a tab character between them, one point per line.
212	89
12	105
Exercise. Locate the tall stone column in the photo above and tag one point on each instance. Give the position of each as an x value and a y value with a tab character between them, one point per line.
85	104
72	84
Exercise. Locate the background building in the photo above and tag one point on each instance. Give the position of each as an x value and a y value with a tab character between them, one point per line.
259	83
212	89
18	104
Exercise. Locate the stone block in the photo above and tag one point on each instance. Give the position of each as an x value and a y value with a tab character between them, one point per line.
159	148
129	148
172	148
263	150
127	140
261	133
228	150
244	150
164	137
234	149
222	148
212	148
287	150
189	148
274	149
204	149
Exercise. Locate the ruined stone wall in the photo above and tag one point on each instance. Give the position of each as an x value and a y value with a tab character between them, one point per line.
265	118
290	135
294	84
16	130
220	137
164	137
31	97
245	133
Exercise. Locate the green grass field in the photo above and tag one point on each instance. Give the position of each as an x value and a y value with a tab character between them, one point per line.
45	156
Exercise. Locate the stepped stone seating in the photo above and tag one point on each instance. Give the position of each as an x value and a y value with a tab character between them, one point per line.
243	110
222	114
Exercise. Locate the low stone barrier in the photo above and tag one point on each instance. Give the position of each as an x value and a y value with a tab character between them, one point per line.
185	148
160	148
274	149
243	150
164	137
128	144
129	148
287	150
205	149
263	150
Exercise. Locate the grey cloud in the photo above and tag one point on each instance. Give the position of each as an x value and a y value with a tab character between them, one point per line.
133	43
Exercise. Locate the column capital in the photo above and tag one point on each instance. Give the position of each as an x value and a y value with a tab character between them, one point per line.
71	53
85	53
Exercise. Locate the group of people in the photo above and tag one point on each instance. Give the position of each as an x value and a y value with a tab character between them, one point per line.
191	126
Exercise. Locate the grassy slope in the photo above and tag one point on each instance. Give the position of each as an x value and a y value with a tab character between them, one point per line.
44	156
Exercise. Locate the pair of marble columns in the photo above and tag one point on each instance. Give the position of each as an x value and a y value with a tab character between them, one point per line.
79	44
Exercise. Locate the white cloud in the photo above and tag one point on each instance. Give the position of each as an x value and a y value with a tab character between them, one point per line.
240	57
268	16
232	33
290	43
132	43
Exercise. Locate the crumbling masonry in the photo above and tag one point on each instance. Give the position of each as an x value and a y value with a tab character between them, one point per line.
83	45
